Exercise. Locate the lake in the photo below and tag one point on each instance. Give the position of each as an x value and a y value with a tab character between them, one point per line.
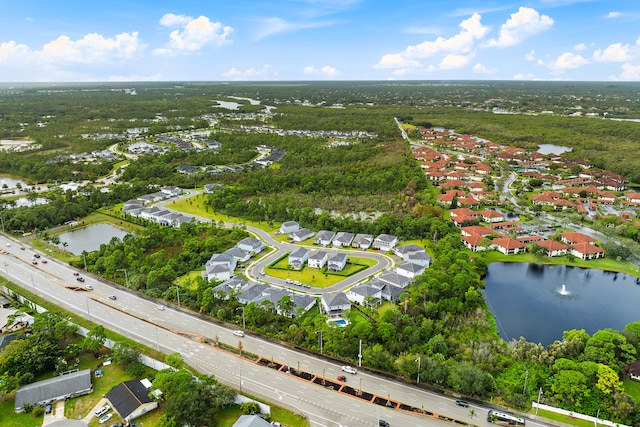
90	238
528	300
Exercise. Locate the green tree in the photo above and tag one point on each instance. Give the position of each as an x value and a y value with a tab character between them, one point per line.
95	339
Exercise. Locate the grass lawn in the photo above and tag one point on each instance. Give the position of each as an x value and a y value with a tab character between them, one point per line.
562	418
632	388
195	206
315	277
606	264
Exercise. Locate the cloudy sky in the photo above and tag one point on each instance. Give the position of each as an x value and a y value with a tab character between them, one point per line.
134	40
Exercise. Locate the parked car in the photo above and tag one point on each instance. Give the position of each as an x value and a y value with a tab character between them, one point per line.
113	297
105	418
462	403
100	412
48	409
117	425
342	378
349	369
238	333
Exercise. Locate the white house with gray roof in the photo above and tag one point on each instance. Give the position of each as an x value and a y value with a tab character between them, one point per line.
324	237
298	257
302	235
337	261
410	270
335	304
420	258
289	227
406	250
343	239
395	279
385	242
251	245
318	259
362	241
358	293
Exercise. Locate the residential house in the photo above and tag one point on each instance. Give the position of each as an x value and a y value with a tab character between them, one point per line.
251	421
252	293
343	239
337	261
362	241
130	399
410	270
573	238
297	258
220	267
420	258
490	215
324	237
477	230
212	188
251	245
171	191
289	227
360	293
587	251
335	304
187	169
405	250
239	254
474	242
385	242
302	235
553	247
53	389
508	246
392	292
233	285
318	259
395	279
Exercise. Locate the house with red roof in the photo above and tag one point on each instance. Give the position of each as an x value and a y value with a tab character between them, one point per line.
587	251
474	242
490	215
553	247
477	230
508	246
574	237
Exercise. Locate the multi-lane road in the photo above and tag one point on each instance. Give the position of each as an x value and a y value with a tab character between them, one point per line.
172	330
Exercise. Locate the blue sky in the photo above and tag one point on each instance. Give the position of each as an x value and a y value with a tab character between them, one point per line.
251	40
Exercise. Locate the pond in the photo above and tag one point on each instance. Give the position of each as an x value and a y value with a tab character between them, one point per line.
552	149
90	238
10	182
540	302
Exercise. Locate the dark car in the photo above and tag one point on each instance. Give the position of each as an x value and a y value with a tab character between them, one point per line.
462	403
36	255
48	408
383	423
342	378
80	279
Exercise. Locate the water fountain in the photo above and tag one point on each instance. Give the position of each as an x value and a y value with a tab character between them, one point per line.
563	290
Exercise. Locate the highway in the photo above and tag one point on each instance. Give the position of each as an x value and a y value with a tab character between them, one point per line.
172	330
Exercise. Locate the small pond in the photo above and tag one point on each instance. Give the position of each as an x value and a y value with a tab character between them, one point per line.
540	302
90	238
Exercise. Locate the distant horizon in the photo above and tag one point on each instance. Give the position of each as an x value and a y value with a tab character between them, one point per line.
319	40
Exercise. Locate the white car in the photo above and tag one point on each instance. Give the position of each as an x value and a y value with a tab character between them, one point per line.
350	369
88	287
160	307
238	333
105	418
8	244
100	412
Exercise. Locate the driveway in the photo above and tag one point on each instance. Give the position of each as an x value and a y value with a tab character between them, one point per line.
56	418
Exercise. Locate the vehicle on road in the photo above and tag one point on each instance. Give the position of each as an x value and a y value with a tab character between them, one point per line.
8	244
48	409
75	273
342	378
113	297
238	333
462	403
44	261
34	262
22	248
289	281
80	279
160	307
105	418
349	369
100	412
262	273
36	255
498	417
383	423
88	287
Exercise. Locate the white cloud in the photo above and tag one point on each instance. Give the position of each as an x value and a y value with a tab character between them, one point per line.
580	47
194	34
481	69
630	72
531	56
566	61
326	70
135	78
616	52
522	24
613	14
91	49
249	73
456	51
521	76
12	51
272	26
451	62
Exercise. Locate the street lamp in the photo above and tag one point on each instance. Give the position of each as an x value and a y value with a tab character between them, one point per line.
526	376
320	332
360	354
538	405
126	276
418	360
177	288
244	325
